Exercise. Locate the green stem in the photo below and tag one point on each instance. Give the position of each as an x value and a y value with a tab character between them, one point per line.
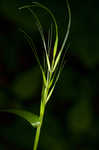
42	110
37	138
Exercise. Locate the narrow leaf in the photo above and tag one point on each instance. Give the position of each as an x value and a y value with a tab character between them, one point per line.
33	119
58	75
48	62
56	27
68	28
49	39
39	26
40	30
51	82
65	39
57	60
44	78
31	44
42	36
50	93
55	47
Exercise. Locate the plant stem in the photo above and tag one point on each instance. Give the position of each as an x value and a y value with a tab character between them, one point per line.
42	110
39	128
37	138
38	132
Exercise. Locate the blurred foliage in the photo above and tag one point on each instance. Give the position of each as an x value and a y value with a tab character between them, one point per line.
27	84
72	118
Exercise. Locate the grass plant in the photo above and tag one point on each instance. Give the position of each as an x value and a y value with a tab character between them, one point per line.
50	70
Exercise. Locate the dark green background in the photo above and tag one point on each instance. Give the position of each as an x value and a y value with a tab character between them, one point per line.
72	115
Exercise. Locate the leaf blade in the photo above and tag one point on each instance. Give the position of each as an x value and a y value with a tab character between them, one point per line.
56	26
39	26
68	27
57	60
65	39
33	119
31	44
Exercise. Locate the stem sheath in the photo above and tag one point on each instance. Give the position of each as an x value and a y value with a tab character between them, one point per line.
37	136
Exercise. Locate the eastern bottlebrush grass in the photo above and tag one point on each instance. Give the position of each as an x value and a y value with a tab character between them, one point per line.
50	70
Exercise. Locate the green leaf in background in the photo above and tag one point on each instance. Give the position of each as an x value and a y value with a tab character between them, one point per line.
27	84
33	119
80	117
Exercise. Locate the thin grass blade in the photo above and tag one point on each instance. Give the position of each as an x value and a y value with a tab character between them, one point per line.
68	28
57	60
44	78
51	91
42	35
39	26
50	39
58	75
65	39
51	82
56	27
31	44
40	30
33	119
